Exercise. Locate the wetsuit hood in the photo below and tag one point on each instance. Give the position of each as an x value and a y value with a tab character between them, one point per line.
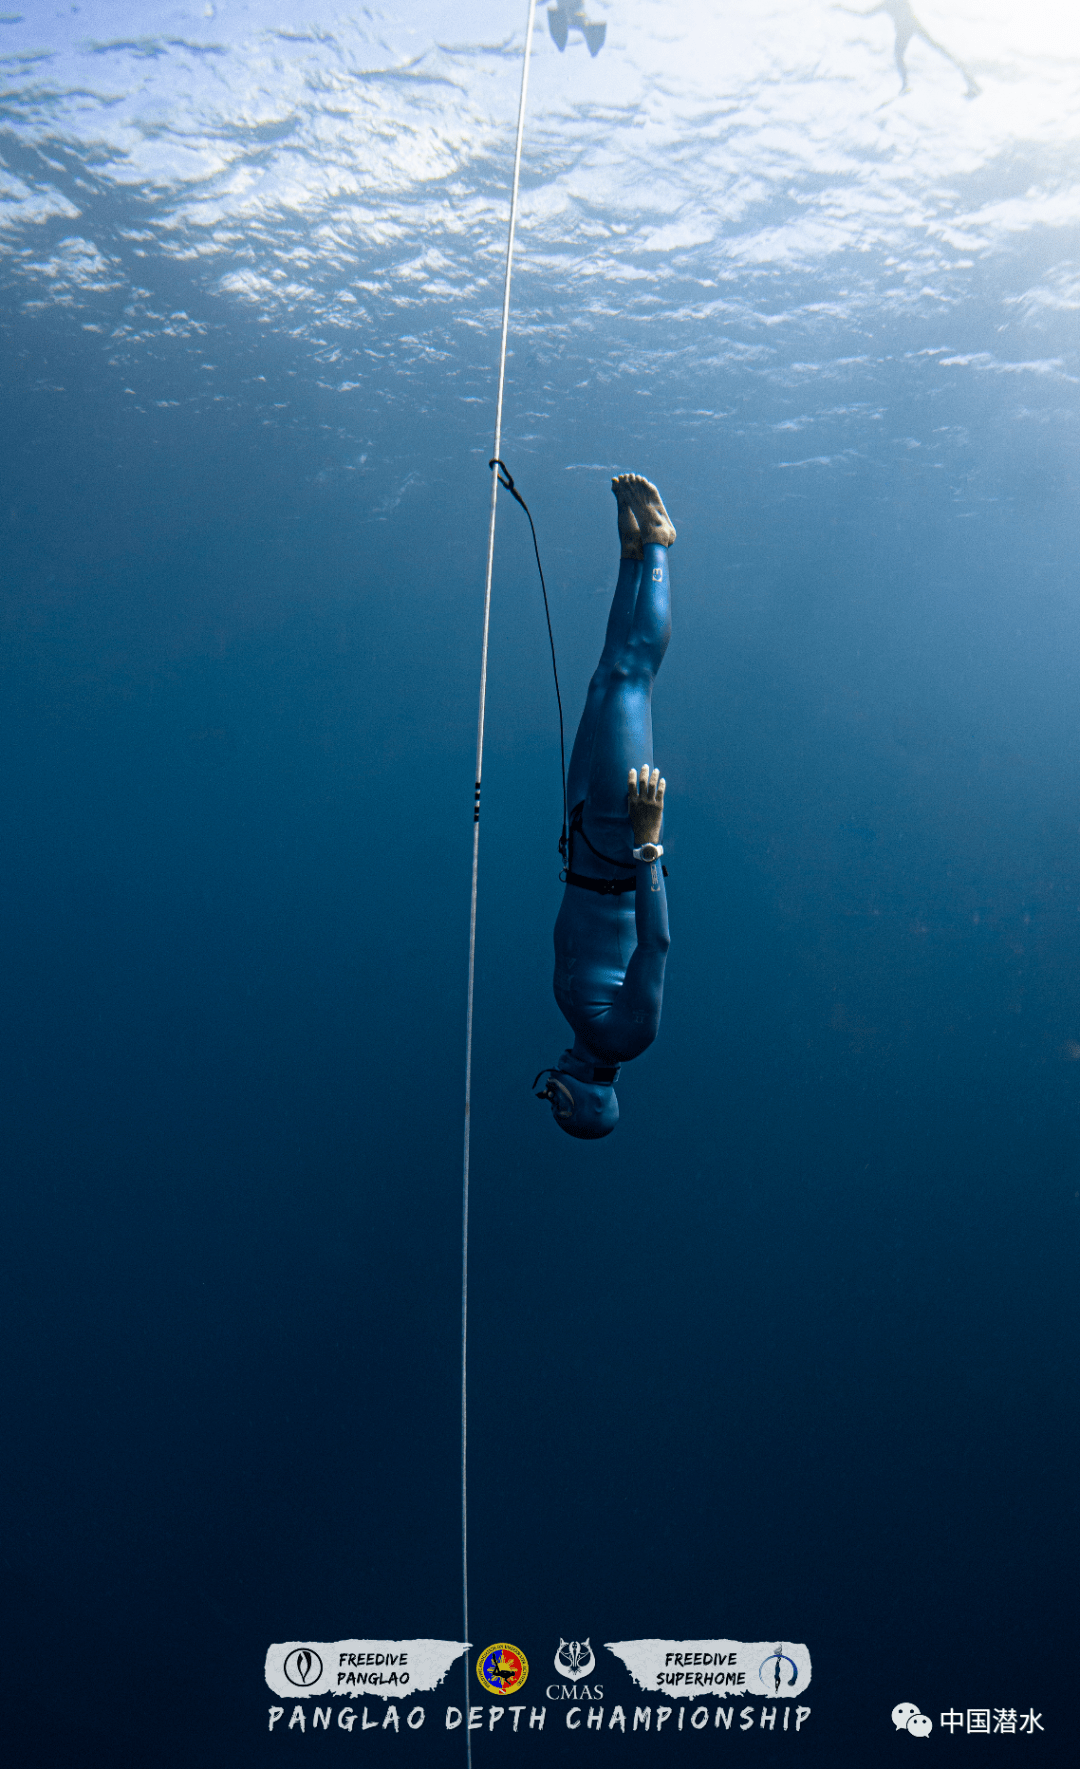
583	1107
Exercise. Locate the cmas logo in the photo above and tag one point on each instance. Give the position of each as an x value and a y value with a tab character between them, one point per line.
574	1660
502	1668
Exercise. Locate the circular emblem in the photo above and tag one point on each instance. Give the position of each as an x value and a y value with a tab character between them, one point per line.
303	1667
502	1668
775	1674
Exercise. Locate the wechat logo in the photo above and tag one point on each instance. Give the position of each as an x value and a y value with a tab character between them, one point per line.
907	1718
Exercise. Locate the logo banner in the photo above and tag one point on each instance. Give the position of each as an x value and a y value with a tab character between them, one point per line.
390	1668
715	1667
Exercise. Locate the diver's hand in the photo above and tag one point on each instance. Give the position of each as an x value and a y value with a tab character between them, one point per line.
645	804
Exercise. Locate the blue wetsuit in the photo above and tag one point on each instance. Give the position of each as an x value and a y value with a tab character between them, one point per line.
611	946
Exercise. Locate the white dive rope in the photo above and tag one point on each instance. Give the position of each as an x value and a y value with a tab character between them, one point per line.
476	864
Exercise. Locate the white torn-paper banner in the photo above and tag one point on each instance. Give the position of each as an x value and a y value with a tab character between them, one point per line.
715	1667
390	1668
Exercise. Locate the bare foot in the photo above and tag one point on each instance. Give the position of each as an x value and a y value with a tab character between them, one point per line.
647	506
629	532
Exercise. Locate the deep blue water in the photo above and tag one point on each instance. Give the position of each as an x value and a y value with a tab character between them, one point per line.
796	1347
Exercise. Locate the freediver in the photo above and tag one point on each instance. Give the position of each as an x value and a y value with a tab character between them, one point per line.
611	935
906	26
564	17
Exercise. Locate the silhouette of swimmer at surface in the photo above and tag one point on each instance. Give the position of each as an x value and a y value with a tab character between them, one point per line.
907	26
565	17
611	935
